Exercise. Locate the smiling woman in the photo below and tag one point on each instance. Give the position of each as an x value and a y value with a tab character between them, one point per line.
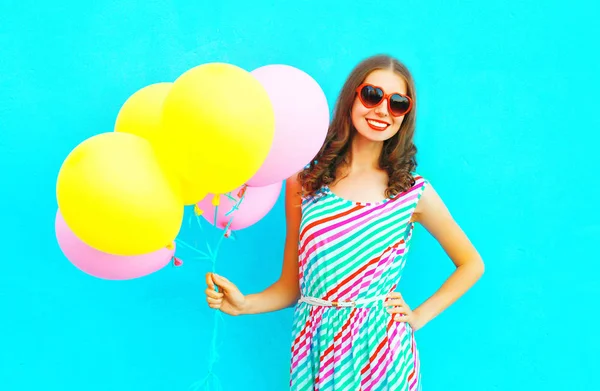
350	219
378	110
371	96
381	91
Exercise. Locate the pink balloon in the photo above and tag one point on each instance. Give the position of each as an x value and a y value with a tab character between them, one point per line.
257	202
301	121
107	266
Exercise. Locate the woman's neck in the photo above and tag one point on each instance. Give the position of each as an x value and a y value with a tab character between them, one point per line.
364	154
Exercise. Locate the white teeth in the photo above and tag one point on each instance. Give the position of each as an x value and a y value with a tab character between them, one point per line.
377	124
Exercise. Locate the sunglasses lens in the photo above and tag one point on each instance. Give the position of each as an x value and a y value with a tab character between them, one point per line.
371	96
399	104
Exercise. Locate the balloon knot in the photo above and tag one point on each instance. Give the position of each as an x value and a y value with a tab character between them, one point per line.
228	233
216	200
242	191
198	211
177	262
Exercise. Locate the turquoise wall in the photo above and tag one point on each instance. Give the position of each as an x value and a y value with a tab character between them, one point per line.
508	132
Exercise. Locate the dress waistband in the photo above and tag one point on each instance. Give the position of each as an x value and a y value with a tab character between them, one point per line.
351	303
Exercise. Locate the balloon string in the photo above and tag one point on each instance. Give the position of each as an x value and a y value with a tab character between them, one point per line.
211	379
189	246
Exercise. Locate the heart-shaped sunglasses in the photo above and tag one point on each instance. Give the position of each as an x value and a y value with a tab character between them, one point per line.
372	96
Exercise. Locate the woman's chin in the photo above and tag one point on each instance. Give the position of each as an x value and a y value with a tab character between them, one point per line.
374	135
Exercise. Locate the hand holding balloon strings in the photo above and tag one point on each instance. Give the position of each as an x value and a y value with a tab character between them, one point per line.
212	257
110	228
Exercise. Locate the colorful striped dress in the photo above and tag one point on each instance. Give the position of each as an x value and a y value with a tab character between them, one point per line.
353	252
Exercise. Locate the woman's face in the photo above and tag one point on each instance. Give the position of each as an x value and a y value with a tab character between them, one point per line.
377	123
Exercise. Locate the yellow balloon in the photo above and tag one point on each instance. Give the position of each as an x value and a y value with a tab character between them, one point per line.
115	196
219	119
192	193
141	113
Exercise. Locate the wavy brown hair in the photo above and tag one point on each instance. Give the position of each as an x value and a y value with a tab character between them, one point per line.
398	155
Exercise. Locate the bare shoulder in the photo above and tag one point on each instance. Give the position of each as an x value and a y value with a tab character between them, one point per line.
293	189
432	213
429	203
293	200
294	181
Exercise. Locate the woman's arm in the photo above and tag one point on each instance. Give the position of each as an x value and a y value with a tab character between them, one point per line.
432	214
285	291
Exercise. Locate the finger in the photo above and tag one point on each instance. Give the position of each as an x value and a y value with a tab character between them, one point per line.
223	283
209	281
210	300
215	306
395	295
213	294
395	302
401	318
398	310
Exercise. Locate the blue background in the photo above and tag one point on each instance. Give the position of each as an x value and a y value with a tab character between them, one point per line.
507	133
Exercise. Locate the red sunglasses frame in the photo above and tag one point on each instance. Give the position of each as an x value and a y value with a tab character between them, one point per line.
385	97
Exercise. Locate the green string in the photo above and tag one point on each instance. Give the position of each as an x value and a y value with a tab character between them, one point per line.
211	380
